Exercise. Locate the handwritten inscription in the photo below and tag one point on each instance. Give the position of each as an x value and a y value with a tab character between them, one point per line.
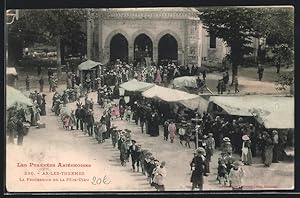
100	180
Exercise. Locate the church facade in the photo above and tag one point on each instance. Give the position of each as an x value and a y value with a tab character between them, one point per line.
161	35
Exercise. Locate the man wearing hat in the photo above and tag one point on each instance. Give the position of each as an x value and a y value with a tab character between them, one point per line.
207	156
98	132
182	130
188	135
122	105
98	83
43	105
144	158
114	135
20	131
123	150
100	95
166	132
11	129
150	167
133	151
235	176
41	82
210	144
197	166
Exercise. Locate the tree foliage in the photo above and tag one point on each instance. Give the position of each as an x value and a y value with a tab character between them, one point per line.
233	25
237	26
47	25
54	27
276	24
285	80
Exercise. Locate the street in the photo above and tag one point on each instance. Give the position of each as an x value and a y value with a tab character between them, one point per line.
222	76
53	144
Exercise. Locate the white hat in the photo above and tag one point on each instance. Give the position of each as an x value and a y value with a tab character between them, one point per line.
245	137
226	139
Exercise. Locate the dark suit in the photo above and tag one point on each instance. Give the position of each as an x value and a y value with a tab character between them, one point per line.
20	131
83	114
197	174
135	153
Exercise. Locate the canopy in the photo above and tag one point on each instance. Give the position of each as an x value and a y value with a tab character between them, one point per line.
172	95
202	105
14	96
89	64
272	111
135	85
11	70
185	81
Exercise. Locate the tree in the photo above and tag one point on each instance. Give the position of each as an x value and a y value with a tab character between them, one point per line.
276	25
235	26
49	26
286	80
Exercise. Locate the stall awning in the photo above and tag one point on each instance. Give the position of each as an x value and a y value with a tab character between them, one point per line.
231	105
89	64
172	95
272	111
14	96
135	85
11	71
185	81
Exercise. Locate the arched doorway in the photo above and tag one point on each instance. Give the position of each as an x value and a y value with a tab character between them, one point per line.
143	49
167	50
119	48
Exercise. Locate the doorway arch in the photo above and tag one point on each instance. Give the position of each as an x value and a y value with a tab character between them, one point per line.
143	47
167	49
119	48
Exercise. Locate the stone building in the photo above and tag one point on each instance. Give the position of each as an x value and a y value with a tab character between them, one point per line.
159	34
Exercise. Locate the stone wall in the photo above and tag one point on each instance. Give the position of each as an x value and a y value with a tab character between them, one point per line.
155	29
212	56
185	32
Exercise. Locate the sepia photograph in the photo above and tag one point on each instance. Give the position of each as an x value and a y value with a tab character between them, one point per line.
149	99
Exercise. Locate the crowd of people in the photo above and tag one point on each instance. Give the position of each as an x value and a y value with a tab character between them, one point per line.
233	136
121	72
83	119
20	118
15	125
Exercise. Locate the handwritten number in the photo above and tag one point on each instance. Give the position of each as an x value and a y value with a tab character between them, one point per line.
94	181
98	181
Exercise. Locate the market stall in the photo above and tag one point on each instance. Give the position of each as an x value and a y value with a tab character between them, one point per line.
88	72
191	101
16	99
185	81
11	76
270	112
133	89
14	96
189	84
275	112
135	85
